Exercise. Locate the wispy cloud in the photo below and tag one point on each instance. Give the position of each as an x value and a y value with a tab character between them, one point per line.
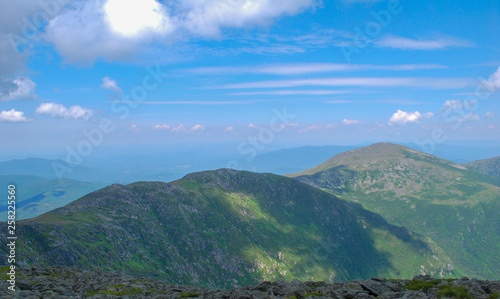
460	108
311	68
431	83
201	102
404	43
12	116
291	92
388	101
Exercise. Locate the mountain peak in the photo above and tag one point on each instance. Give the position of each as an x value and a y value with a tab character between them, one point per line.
375	154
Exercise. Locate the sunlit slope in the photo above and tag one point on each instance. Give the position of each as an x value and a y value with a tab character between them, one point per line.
225	227
456	207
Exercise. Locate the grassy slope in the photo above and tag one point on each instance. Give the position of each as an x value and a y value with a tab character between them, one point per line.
223	228
457	208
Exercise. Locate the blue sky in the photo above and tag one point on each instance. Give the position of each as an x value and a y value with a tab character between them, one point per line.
286	73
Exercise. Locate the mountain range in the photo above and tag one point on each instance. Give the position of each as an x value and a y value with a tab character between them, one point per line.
381	210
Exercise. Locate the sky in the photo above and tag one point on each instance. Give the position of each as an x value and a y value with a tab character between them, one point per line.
252	74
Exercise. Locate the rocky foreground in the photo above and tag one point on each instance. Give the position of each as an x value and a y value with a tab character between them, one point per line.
60	282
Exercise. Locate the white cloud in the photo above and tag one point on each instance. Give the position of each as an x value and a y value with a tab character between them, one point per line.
420	44
197	128
403	117
19	88
83	35
490	115
251	125
12	116
351	122
108	83
161	127
116	29
58	110
229	129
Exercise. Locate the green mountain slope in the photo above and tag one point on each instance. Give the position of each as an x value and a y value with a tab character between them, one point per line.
223	228
457	208
36	195
487	166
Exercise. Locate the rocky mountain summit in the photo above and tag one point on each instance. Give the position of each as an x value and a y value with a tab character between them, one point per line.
62	282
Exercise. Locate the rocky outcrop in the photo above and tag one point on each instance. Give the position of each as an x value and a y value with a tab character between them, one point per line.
61	282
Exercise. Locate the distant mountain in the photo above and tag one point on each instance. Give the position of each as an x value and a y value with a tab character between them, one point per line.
223	228
487	166
36	195
457	208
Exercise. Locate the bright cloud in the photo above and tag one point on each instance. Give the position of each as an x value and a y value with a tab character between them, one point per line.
350	122
12	116
19	88
132	17
403	117
58	110
420	44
